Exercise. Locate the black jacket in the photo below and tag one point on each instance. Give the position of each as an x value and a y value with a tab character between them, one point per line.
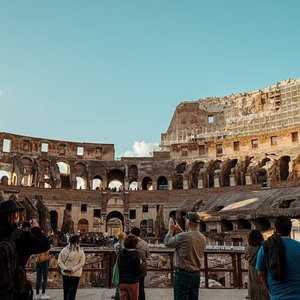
130	266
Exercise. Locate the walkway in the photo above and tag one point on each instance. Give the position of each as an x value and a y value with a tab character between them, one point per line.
153	294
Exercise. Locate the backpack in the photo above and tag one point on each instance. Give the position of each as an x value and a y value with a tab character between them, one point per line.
42	257
8	263
275	257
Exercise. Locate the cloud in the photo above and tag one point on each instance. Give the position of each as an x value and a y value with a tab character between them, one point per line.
1	93
141	149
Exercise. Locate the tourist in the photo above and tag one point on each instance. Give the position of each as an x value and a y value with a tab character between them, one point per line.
41	269
71	260
130	268
27	242
144	252
256	291
119	245
284	282
189	248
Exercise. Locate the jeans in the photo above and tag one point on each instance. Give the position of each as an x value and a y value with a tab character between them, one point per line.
41	273
186	285
142	288
70	284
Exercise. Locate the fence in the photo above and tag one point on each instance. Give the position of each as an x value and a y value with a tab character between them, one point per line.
221	268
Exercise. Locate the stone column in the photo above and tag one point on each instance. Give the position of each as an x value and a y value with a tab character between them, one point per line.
216	181
232	180
200	183
185	184
248	179
154	185
170	184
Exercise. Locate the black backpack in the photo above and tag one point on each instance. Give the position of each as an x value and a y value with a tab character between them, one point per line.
275	257
8	264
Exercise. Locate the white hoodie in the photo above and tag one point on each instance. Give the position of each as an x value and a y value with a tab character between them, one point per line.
71	260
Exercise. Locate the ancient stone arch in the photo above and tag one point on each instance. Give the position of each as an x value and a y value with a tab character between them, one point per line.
114	223
83	225
284	167
243	224
194	174
147	183
162	183
115	175
133	173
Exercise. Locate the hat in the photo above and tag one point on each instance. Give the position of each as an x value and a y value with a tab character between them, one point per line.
192	216
9	206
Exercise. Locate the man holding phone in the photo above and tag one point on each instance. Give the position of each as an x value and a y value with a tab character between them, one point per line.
189	249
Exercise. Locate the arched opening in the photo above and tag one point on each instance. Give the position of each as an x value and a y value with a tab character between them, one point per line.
147	184
211	175
243	224
133	173
64	170
262	224
27	179
97	183
53	220
96	224
80	183
178	177
115	185
133	186
193	182
83	225
226	171
162	183
4	178
295	232
114	223
262	176
284	167
115	175
226	226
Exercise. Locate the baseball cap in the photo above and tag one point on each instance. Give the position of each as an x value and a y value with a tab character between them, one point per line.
192	216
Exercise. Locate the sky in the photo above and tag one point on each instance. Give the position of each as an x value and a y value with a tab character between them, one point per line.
114	71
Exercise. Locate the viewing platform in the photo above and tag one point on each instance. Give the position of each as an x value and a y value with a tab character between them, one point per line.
152	294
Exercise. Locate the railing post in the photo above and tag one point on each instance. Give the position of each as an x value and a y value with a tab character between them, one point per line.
206	270
172	269
240	275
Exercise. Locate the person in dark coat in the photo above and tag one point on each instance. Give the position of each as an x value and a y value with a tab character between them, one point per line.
256	290
130	267
26	242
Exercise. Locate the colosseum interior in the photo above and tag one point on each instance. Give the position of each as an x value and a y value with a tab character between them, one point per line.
234	159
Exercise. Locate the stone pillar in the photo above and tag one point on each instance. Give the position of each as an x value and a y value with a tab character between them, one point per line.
232	180
248	179
104	183
170	184
185	184
154	185
200	183
216	181
139	185
126	185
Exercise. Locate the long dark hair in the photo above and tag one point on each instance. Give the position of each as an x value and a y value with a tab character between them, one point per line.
255	238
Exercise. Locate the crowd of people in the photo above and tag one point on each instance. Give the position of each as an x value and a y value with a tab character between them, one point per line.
273	273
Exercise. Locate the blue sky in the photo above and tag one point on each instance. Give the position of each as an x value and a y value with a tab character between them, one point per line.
114	71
